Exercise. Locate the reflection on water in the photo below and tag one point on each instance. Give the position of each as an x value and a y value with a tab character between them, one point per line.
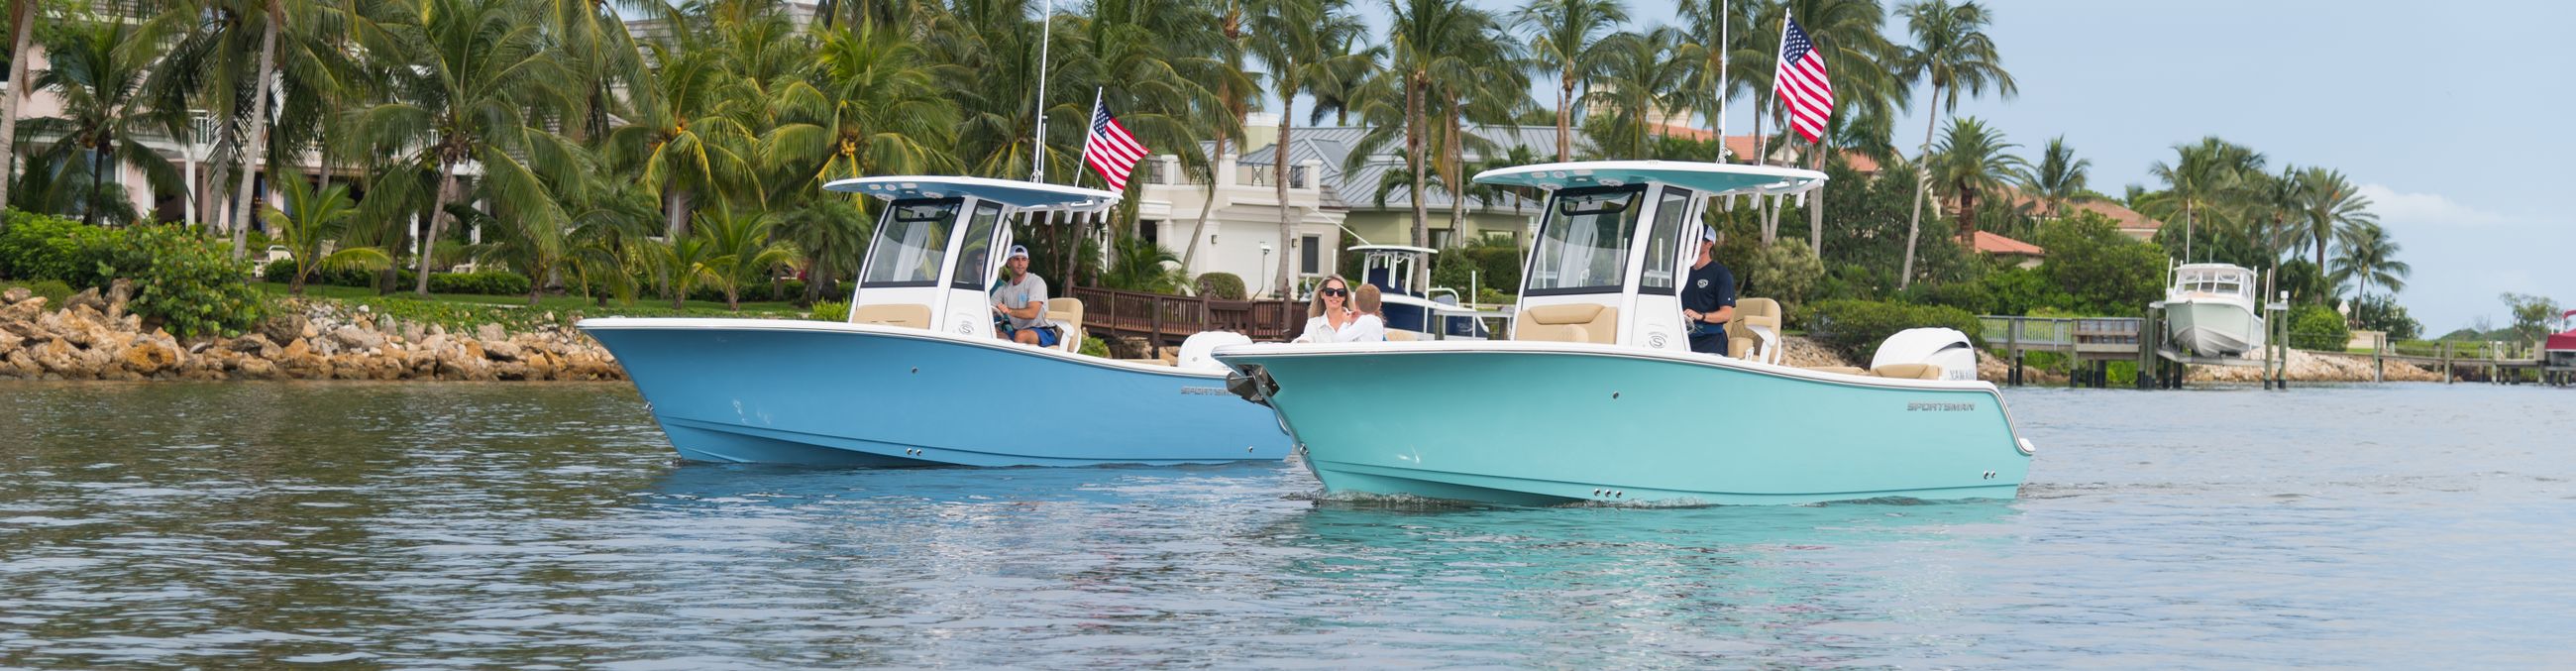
481	525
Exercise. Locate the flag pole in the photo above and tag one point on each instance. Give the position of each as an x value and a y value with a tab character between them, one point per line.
1085	158
1763	145
1046	38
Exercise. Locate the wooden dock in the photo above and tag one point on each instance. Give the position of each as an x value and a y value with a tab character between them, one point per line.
1164	320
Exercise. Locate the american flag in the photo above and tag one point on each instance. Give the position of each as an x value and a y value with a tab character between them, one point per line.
1802	85
1110	149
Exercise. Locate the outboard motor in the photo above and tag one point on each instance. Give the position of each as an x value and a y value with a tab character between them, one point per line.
1194	351
1946	348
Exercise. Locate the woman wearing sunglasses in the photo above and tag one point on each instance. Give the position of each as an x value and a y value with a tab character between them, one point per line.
1330	317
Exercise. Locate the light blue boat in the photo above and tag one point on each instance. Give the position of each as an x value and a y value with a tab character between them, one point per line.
917	377
1597	398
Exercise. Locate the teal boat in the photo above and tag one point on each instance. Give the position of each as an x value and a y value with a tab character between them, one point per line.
1597	398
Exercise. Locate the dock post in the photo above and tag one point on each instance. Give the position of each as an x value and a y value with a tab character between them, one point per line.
1154	336
2379	362
2446	362
2016	369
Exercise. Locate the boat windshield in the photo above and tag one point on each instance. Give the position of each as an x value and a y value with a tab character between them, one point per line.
1663	243
974	267
1583	246
911	243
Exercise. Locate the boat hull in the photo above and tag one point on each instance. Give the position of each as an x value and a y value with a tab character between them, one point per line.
1528	424
2214	328
819	393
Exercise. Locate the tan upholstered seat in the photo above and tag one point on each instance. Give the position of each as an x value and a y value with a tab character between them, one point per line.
1749	313
1908	371
1844	370
1067	312
1402	336
908	315
1580	322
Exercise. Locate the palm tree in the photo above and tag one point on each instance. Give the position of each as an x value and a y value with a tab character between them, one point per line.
1298	38
870	106
1711	79
2059	177
477	70
1971	160
679	140
1566	40
1637	76
2327	204
2202	180
1952	51
685	262
740	251
21	15
1427	37
313	226
831	233
98	71
2366	256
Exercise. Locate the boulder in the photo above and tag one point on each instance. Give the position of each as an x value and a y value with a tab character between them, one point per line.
356	338
118	292
15	294
502	350
300	361
86	298
20	364
148	356
256	369
23	310
283	326
490	333
61	359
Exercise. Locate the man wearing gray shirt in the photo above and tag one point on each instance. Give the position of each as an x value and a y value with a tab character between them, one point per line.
1022	300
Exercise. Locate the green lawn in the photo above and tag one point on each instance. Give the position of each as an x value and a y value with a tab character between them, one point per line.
469	311
551	302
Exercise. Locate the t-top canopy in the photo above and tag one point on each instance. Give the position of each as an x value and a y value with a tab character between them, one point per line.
1716	179
1012	193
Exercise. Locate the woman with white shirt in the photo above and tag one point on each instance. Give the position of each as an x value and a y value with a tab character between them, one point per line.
1330	317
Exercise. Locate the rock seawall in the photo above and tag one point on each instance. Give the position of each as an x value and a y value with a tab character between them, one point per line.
91	337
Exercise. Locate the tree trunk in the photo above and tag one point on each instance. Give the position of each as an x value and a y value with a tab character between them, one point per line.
1279	178
675	212
1457	180
97	160
23	15
1198	231
1922	182
1816	201
437	223
1414	123
257	148
1565	116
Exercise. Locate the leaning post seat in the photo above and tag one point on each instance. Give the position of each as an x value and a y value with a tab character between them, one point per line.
1066	313
1755	330
908	315
1577	322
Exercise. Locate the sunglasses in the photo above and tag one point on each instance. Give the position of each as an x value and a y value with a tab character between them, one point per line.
1336	292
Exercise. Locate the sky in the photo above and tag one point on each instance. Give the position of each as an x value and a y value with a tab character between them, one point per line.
2451	116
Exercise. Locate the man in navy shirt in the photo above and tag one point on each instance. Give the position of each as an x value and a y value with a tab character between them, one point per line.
1708	298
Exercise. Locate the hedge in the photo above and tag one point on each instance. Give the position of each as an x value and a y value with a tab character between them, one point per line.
1856	327
2317	327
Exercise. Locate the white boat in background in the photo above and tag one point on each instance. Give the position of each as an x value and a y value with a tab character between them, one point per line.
1434	316
2211	309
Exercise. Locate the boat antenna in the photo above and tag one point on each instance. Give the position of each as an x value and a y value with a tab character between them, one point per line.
1046	37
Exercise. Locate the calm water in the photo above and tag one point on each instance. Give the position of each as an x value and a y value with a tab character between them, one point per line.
418	525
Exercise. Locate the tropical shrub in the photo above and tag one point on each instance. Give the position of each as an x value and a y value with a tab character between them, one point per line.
1856	327
1973	297
53	291
1094	346
829	311
1785	272
486	283
1221	286
189	284
2099	270
46	247
2383	314
2318	327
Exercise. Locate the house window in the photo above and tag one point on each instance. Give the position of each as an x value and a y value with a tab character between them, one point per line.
1310	254
1151	230
1440	238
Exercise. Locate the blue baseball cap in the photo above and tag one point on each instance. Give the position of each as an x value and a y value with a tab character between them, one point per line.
1018	252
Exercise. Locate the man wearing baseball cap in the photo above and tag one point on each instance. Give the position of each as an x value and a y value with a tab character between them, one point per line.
1022	301
1708	298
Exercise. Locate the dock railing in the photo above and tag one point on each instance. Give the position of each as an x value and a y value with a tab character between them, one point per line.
1166	319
